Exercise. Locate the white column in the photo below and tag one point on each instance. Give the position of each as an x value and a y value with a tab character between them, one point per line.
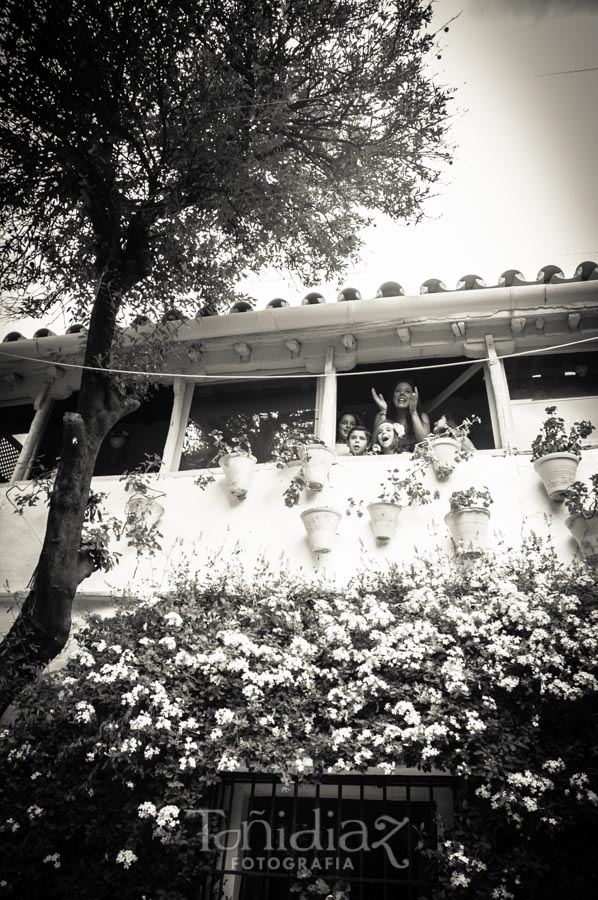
183	395
326	402
43	405
502	400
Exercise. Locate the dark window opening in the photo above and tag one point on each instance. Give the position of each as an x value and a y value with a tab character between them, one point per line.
143	432
16	422
370	832
551	376
256	408
354	394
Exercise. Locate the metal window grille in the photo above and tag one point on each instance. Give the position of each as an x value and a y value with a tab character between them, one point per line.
9	454
371	832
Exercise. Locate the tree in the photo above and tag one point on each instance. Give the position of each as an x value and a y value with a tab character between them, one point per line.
152	151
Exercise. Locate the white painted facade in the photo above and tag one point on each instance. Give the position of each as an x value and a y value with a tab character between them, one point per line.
210	528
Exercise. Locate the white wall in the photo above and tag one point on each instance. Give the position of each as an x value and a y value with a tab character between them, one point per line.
210	528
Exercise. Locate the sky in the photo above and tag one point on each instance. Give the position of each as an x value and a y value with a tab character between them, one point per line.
523	190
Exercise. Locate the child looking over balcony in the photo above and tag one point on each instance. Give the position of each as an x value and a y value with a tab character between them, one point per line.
388	437
359	440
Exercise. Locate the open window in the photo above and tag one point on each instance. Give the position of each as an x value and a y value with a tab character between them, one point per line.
256	408
568	381
143	432
456	389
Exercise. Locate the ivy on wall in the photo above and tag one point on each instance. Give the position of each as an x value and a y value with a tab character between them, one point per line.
486	671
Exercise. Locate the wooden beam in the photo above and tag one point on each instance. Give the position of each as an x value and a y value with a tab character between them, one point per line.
183	394
500	389
450	389
326	402
43	406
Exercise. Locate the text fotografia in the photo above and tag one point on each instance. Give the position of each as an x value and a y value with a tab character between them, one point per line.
352	836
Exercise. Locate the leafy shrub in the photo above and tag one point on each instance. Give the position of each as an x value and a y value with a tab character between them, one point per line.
488	673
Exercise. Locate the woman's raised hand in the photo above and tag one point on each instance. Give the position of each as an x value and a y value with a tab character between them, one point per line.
379	401
413	402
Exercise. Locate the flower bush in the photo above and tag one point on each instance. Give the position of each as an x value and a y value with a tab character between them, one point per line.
486	672
554	438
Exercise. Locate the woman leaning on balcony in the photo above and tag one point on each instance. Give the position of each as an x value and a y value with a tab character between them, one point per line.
406	410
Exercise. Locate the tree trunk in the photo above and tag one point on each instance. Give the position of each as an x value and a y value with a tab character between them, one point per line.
42	628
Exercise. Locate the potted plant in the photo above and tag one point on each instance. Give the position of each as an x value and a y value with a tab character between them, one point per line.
468	520
556	453
582	504
447	446
397	491
142	504
236	461
292	445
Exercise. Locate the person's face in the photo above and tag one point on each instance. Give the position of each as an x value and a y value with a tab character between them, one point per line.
358	442
346	423
402	395
386	436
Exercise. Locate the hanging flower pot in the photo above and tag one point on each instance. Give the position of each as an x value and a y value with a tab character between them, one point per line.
238	468
316	459
585	532
444	455
142	506
383	517
557	471
469	530
320	524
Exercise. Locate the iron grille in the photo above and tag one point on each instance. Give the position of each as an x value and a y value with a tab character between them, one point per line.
372	832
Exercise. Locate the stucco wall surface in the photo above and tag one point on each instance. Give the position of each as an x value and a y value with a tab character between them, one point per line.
209	528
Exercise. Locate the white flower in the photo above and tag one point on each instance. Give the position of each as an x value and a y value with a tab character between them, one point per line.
35	775
126	858
54	859
34	812
168	641
224	716
398	429
84	711
146	810
168	817
173	618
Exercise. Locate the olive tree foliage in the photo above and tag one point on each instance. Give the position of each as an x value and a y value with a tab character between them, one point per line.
152	151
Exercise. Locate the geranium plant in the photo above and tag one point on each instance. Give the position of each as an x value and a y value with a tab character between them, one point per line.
554	437
472	497
141	532
583	500
286	449
459	433
287	442
239	443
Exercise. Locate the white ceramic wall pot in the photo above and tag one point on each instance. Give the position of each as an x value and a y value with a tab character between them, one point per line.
585	532
238	469
469	530
445	450
557	471
141	506
316	460
384	518
320	524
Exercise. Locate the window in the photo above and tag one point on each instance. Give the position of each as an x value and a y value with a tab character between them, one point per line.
16	421
568	381
468	397
257	407
142	432
365	830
